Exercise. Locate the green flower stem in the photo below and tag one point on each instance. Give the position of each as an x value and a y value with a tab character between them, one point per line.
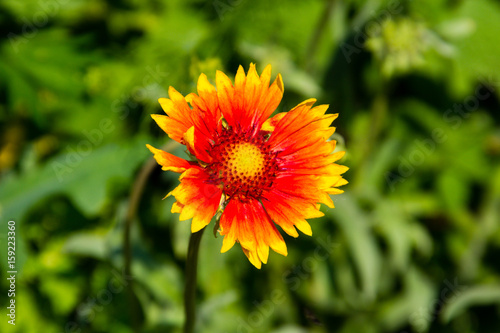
190	288
379	112
321	27
133	205
135	196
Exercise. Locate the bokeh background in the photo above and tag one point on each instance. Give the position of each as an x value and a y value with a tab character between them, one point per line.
413	245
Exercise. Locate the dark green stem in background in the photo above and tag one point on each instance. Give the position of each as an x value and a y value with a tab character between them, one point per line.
135	196
317	34
133	205
379	109
190	288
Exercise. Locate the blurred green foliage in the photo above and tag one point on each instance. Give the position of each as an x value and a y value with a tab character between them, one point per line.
413	244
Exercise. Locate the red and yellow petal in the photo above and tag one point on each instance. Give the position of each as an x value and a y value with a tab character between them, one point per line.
248	223
168	161
247	104
207	96
269	101
290	211
270	124
206	104
196	198
180	117
306	159
196	145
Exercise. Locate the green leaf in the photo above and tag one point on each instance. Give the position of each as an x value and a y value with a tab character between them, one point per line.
396	228
356	228
86	244
407	306
82	178
472	296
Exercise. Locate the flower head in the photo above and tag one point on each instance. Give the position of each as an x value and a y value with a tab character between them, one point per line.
400	45
252	171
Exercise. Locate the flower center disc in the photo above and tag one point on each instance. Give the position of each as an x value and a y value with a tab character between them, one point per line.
244	165
245	160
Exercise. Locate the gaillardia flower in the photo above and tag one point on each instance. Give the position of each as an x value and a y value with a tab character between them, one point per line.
252	171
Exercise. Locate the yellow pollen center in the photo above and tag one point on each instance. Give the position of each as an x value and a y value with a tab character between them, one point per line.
244	165
245	160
